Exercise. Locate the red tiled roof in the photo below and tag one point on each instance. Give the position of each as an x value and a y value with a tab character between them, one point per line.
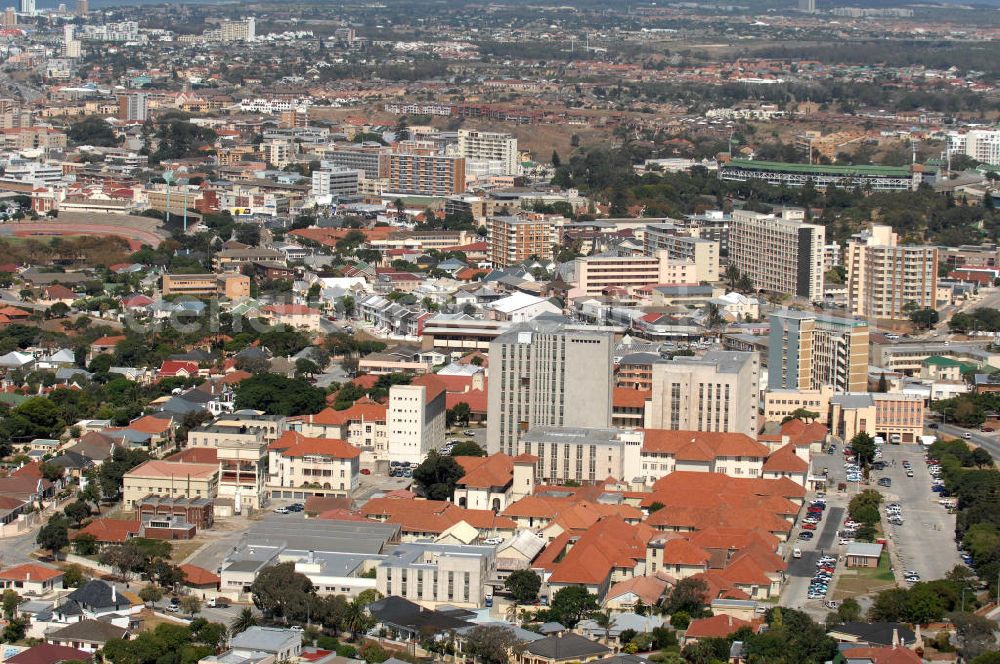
173	367
488	471
701	445
432	386
623	397
715	627
49	653
198	576
151	424
294	444
884	655
30	571
195	455
115	531
785	460
431	516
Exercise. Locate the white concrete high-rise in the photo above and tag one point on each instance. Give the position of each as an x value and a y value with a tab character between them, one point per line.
28	7
547	373
490	147
781	254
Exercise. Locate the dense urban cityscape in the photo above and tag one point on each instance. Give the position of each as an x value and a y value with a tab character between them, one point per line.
499	333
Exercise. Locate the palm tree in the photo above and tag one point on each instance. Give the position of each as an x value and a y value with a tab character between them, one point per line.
244	621
605	621
512	613
732	275
356	618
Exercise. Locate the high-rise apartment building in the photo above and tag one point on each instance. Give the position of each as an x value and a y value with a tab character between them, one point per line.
415	419
133	107
716	392
513	240
364	157
981	144
329	181
593	274
424	174
885	279
490	147
9	18
547	373
82	7
807	351
680	244
28	7
807	6
781	254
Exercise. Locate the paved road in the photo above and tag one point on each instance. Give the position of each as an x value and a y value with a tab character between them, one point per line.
926	540
989	442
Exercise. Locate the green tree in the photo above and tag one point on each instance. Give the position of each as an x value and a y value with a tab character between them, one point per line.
491	644
278	395
437	476
150	594
282	592
523	585
570	604
924	319
864	449
190	604
54	536
459	414
689	595
77	511
467	448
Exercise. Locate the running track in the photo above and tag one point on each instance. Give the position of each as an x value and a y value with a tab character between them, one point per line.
136	237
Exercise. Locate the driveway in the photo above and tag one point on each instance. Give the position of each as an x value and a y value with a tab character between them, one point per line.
801	570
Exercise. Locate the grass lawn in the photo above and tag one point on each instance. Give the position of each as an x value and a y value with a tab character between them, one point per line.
181	549
865	580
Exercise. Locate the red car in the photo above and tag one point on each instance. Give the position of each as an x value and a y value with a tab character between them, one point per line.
365	471
808	526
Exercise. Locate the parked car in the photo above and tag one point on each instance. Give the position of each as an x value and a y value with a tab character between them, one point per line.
281	510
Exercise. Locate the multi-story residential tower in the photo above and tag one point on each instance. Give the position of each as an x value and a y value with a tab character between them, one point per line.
886	279
681	245
513	240
593	274
716	392
490	147
807	352
424	174
133	107
780	254
544	373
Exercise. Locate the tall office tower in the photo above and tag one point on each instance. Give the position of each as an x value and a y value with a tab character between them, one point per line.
82	7
780	254
493	148
885	279
716	392
547	373
807	351
329	181
28	7
807	6
512	240
133	107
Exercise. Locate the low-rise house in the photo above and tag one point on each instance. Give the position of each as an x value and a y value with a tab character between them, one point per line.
88	635
31	580
282	644
110	531
47	653
561	649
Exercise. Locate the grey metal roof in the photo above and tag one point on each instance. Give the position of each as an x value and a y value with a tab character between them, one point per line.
265	639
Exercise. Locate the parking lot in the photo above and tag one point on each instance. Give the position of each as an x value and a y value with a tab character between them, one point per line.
925	542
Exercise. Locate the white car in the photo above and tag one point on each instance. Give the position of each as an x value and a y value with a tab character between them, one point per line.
493	541
845	541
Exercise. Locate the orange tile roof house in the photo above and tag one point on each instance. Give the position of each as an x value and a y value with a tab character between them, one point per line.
493	482
363	425
31	579
110	531
301	466
609	551
716	627
427	518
